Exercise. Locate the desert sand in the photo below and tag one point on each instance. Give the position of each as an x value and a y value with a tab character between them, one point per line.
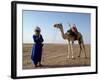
55	55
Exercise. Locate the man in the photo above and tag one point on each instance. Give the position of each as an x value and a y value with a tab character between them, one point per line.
73	30
37	47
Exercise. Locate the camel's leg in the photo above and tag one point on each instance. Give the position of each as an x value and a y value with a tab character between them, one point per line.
68	49
84	49
80	49
72	49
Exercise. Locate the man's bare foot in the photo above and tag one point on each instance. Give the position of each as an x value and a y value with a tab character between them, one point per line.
40	65
36	66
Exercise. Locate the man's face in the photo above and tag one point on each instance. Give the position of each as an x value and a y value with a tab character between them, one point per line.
37	32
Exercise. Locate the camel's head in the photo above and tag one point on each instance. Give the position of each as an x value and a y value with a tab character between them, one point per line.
59	25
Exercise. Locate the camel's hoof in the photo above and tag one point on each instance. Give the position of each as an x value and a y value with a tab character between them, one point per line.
68	57
73	57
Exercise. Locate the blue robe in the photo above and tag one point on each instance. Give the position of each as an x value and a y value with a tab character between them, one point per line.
37	49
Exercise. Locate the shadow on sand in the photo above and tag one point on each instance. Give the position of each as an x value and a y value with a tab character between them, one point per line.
67	65
58	66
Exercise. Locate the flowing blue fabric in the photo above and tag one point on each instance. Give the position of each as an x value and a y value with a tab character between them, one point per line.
37	49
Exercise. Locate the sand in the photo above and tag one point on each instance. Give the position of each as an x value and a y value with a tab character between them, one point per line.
55	55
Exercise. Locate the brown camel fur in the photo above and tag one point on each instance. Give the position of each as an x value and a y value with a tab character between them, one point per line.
72	38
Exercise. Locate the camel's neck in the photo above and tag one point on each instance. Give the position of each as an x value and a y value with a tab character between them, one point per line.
62	33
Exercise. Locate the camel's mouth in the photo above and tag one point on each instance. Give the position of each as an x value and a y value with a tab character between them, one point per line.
55	25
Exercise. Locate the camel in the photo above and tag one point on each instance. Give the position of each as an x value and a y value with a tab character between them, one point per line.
71	38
